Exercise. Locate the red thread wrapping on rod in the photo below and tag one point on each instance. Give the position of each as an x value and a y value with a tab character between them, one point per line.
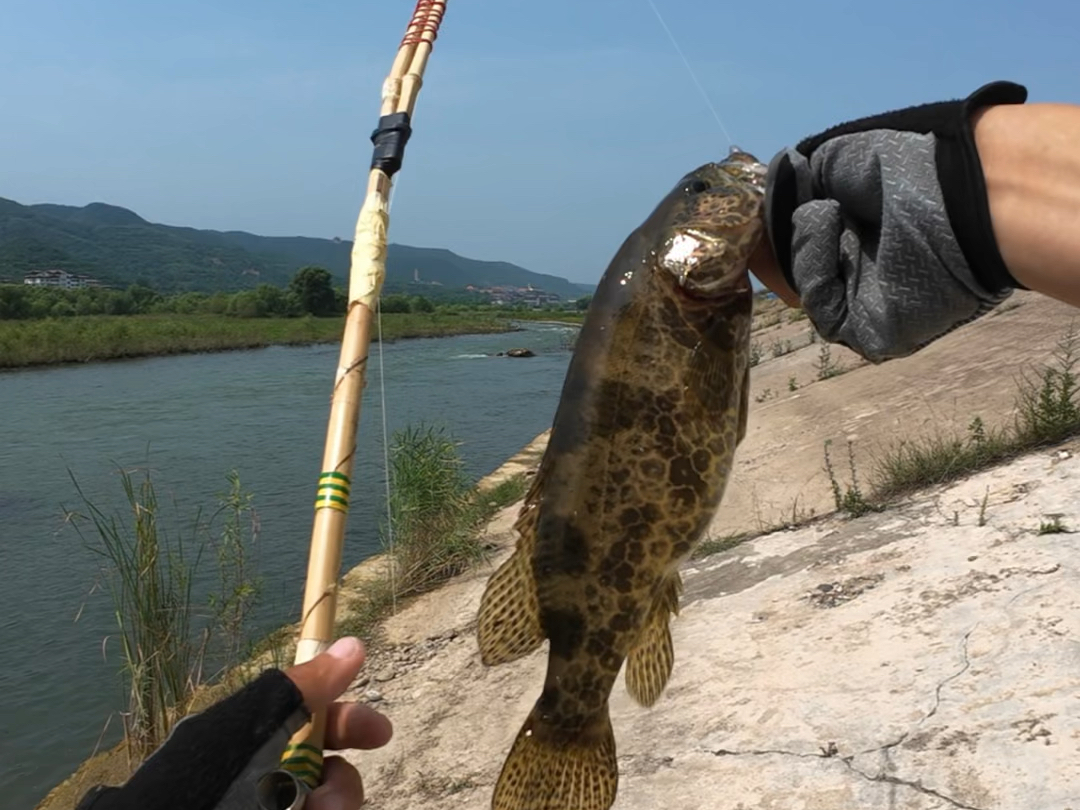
425	22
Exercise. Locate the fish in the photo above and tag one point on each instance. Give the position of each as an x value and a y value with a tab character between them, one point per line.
653	406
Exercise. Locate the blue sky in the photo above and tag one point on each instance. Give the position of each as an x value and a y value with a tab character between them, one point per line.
545	131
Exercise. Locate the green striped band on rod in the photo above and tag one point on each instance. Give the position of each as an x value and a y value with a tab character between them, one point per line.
305	762
333	492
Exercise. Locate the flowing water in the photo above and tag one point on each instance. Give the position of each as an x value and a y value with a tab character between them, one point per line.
191	419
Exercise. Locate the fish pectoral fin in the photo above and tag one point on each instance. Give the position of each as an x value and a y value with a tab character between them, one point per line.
648	666
508	625
545	771
712	372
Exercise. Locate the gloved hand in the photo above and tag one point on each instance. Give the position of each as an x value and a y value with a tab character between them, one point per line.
882	226
215	760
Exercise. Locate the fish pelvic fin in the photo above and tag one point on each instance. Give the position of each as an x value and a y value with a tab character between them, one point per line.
649	663
508	625
545	771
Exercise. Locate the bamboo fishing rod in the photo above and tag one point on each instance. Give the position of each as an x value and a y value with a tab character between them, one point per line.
301	765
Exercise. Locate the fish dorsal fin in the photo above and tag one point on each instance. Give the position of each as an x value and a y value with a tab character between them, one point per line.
648	666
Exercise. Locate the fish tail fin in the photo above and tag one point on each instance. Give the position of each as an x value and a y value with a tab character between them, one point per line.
508	625
649	663
546	771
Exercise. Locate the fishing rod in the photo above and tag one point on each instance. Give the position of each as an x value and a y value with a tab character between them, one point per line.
300	770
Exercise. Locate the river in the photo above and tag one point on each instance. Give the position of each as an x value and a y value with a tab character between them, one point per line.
194	418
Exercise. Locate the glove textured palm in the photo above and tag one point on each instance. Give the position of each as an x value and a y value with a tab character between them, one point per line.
863	230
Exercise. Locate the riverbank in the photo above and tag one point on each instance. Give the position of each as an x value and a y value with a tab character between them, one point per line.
87	339
111	767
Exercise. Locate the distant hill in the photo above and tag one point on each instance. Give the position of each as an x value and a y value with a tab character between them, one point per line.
120	247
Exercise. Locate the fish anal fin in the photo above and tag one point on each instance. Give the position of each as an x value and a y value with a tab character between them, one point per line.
545	771
649	663
508	625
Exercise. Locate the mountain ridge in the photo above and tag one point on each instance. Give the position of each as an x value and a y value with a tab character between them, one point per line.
120	247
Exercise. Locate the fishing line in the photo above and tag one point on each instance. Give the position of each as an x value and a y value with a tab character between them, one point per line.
690	70
385	432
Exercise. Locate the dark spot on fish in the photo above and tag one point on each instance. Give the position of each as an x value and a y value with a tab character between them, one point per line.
549	699
651	512
565	551
617	552
621	622
684	497
565	628
701	459
624	577
636	553
681	473
620	411
652	468
592	698
629	516
600	639
665	426
672	315
611	661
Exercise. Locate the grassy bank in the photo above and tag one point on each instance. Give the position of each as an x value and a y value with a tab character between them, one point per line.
179	652
103	337
1046	411
437	517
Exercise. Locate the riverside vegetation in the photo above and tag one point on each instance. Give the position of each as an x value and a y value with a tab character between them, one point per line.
1046	411
184	634
43	325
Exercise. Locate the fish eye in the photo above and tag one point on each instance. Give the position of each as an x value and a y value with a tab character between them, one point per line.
696	187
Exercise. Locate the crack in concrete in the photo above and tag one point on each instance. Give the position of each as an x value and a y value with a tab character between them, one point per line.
964	668
882	777
764	752
917	786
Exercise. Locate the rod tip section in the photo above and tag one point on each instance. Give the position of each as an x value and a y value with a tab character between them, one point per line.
280	790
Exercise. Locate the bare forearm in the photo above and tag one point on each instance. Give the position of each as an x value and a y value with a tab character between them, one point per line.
1030	156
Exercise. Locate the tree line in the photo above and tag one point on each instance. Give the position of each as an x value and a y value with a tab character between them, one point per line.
310	292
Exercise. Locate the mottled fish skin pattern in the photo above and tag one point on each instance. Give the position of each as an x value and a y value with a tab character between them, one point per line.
652	410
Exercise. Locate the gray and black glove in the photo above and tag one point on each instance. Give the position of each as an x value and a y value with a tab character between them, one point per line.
882	226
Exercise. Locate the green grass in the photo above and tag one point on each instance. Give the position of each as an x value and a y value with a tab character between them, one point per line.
1052	526
706	548
433	534
167	634
1047	412
850	498
104	337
